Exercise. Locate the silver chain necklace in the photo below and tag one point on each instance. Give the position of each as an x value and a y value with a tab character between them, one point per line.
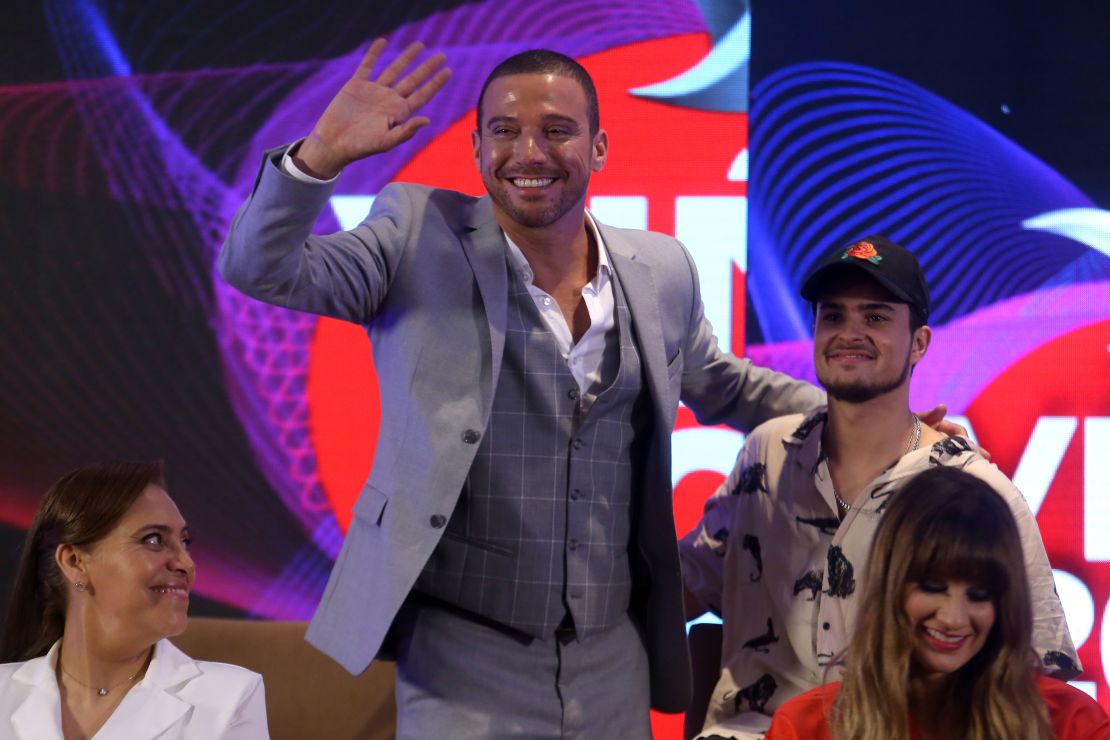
911	445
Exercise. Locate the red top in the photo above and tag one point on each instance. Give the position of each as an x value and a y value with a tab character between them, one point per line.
1074	715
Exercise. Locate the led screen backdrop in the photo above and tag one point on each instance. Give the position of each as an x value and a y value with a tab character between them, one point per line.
132	131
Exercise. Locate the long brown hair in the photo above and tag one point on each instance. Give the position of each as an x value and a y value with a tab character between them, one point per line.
944	524
79	510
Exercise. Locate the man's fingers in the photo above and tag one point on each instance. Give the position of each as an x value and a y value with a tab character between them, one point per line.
369	59
427	91
417	77
400	134
933	415
397	67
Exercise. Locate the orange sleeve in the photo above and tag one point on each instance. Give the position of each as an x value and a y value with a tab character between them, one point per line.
1074	715
804	717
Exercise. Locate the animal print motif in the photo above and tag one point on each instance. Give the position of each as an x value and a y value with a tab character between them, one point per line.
811	582
842	575
808	425
752	479
1057	659
761	643
948	448
751	544
756	694
827	525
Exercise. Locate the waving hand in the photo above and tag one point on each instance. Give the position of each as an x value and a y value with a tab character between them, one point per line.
368	116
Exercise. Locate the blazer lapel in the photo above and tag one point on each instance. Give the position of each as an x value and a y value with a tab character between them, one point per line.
484	246
152	707
639	291
39	717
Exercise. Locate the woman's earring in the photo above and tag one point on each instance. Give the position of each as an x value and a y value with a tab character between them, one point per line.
80	586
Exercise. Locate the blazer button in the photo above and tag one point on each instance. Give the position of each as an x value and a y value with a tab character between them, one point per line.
438	521
470	436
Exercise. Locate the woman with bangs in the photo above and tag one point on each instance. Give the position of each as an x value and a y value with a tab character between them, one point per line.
943	648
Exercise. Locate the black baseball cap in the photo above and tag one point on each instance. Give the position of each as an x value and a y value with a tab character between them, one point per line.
890	265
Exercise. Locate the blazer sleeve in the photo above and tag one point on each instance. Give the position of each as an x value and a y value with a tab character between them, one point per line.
270	253
721	388
248	721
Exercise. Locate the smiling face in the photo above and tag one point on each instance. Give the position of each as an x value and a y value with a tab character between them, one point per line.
535	151
950	622
862	343
140	574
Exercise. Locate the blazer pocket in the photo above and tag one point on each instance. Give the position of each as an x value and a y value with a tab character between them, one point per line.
370	506
480	544
674	375
674	366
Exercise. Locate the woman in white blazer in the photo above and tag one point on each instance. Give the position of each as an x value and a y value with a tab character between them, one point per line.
104	579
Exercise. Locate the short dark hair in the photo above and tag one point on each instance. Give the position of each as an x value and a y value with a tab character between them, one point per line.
80	509
545	61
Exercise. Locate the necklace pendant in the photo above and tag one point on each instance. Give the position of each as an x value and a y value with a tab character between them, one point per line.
102	692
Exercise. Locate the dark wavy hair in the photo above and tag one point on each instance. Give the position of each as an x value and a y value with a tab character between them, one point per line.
80	509
544	61
944	524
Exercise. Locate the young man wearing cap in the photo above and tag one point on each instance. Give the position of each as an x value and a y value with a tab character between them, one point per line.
781	546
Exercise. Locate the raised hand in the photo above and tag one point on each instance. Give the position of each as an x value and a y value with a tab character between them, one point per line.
368	116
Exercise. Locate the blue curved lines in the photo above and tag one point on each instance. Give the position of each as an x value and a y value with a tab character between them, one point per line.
839	151
718	82
1090	226
95	43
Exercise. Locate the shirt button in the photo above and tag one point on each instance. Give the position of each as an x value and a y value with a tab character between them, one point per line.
578	444
546	301
438	521
573	394
576	494
470	436
826	626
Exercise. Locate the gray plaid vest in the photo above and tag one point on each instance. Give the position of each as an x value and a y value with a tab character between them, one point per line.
542	526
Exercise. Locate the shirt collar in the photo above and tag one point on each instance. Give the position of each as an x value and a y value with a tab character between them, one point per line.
810	428
520	264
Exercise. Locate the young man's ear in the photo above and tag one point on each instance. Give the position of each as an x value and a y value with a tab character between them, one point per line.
476	143
922	337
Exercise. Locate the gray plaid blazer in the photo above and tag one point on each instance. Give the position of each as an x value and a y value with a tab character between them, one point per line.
425	274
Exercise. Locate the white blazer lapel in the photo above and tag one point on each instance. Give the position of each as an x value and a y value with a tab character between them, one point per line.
39	716
152	709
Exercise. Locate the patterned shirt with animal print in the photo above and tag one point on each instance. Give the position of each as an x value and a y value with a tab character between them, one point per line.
772	557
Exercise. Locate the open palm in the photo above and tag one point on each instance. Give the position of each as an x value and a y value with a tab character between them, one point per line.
368	116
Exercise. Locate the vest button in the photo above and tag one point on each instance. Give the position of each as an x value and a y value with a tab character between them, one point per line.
470	436
572	544
578	443
572	394
438	521
826	626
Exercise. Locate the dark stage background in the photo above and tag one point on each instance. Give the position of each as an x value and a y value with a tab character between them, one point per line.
131	131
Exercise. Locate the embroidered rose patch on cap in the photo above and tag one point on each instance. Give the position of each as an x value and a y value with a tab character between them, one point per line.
863	251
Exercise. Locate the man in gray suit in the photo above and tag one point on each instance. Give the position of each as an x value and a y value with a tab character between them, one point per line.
514	548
